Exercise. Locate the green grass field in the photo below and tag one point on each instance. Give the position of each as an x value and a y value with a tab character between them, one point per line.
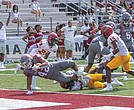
10	81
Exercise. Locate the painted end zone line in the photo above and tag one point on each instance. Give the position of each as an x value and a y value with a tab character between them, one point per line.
13	99
7	104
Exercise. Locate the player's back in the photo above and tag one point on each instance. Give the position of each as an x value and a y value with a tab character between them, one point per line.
120	43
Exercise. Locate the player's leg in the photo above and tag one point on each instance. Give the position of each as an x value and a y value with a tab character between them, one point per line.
29	81
30	48
114	63
34	87
91	57
61	66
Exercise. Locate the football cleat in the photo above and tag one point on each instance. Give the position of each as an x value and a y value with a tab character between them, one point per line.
36	88
107	88
29	92
116	82
55	82
125	78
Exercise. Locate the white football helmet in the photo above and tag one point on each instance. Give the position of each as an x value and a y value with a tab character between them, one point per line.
26	61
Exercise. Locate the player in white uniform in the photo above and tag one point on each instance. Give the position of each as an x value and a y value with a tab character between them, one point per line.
120	54
44	47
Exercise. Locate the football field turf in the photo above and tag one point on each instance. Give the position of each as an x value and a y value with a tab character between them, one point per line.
52	96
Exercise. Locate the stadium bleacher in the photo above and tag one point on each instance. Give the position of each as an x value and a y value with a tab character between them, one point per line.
48	11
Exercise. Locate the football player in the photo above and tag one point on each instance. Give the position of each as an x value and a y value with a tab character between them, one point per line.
38	66
92	80
126	31
44	47
119	52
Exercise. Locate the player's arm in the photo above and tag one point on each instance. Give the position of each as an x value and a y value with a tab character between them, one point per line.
115	50
45	32
25	37
133	34
42	62
115	47
46	55
84	33
75	32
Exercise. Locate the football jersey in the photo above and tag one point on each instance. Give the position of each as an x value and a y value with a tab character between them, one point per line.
126	33
121	45
42	48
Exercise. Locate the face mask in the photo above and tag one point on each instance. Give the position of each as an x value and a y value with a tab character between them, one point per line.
126	23
15	11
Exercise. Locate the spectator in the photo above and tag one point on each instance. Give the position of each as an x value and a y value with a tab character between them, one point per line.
36	9
85	34
70	32
29	37
39	33
80	18
90	15
2	40
8	4
61	46
133	9
16	16
123	3
90	37
53	2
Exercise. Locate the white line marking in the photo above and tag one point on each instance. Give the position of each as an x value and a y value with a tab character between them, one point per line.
6	104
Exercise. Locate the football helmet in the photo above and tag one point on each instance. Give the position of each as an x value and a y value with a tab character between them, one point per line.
126	19
26	61
67	85
112	24
106	30
72	85
52	39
